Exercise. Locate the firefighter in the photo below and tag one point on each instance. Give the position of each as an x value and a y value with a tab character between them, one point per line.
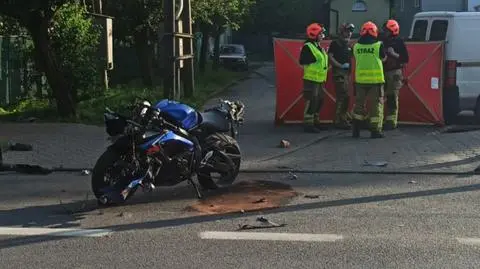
314	59
340	53
369	56
397	57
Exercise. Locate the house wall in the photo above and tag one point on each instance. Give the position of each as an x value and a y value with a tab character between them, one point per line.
472	4
444	5
404	13
378	11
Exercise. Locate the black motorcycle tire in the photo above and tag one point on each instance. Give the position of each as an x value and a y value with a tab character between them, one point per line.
221	142
105	161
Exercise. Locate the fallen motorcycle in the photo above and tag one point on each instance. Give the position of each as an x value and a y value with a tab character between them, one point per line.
165	144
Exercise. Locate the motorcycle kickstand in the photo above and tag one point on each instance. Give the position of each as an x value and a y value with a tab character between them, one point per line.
197	189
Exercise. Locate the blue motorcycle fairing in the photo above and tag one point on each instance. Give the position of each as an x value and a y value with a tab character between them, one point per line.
165	138
184	114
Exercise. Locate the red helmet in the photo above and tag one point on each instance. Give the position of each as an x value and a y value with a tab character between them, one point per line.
369	28
314	30
393	27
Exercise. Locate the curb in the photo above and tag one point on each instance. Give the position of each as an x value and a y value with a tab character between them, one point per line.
381	172
45	171
302	146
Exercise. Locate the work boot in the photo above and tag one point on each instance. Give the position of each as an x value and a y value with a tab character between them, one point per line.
343	125
356	129
377	134
321	127
388	126
311	129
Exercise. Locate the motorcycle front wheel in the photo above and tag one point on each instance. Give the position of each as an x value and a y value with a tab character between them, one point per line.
227	155
108	169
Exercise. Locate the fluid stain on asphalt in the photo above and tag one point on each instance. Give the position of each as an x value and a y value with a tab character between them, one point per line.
244	197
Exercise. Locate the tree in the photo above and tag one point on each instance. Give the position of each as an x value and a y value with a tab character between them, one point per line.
36	17
214	16
75	40
289	16
63	39
140	20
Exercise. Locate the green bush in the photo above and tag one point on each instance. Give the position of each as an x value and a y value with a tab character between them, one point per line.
75	40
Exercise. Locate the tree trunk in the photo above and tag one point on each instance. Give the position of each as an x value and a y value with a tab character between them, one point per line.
216	51
145	56
203	52
45	58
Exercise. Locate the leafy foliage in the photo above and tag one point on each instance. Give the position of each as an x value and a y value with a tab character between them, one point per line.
219	13
283	15
134	16
75	41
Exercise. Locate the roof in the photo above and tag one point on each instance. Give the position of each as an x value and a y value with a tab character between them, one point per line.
447	14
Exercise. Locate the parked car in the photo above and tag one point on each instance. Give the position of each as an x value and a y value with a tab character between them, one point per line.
233	56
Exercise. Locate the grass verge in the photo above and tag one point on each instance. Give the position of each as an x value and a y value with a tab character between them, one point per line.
118	99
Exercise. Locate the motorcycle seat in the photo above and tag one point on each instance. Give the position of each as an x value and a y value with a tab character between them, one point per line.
214	121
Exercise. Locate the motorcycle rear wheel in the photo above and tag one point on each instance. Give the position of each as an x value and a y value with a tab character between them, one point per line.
229	146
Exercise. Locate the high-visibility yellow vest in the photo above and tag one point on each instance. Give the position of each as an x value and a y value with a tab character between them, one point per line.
368	65
317	71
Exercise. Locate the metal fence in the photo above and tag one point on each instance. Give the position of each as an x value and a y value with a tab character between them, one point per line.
13	67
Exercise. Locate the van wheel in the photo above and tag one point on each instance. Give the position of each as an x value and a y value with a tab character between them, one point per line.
451	105
477	111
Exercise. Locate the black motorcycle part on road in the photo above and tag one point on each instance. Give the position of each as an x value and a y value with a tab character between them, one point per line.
222	143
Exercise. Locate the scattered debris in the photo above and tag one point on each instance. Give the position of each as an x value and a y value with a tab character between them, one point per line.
85	173
412	182
283	167
29	119
376	164
310	196
73	211
394	152
261	223
19	147
284	144
261	200
125	215
25	169
292	176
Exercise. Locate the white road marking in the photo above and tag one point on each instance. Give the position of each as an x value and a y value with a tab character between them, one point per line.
469	241
302	237
69	232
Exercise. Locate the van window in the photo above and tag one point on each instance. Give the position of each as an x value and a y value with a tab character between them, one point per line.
439	30
420	30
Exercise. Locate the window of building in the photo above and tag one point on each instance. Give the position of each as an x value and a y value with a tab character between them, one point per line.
416	3
439	30
359	6
420	30
402	5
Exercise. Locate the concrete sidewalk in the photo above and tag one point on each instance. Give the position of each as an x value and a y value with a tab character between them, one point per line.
409	148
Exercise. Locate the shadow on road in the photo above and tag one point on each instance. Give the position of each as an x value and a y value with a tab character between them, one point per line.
8	243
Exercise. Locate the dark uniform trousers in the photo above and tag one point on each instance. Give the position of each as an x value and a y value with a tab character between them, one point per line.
341	80
313	93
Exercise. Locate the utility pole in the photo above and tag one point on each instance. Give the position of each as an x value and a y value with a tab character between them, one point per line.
178	62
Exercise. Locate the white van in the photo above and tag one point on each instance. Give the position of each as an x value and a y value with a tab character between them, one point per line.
461	33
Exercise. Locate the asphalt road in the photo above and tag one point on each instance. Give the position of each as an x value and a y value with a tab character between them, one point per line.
357	221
